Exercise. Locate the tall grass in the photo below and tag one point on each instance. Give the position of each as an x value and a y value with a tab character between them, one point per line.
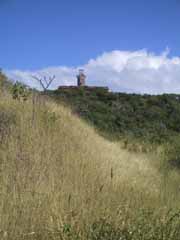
60	180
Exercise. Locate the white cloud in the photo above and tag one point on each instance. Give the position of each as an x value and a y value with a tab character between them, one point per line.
138	71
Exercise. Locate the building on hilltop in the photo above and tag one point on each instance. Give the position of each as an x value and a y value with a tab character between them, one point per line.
81	82
81	78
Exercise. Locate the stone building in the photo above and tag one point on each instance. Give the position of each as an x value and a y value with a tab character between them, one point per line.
81	78
81	82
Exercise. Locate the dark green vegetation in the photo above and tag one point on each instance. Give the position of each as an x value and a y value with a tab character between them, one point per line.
148	118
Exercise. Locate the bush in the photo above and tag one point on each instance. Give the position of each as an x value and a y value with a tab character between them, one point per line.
20	92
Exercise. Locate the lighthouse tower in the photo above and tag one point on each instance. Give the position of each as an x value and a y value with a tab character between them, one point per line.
81	78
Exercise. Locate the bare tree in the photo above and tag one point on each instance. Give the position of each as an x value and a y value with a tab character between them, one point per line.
44	81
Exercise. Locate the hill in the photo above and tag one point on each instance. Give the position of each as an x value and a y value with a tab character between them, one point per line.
117	115
61	180
140	122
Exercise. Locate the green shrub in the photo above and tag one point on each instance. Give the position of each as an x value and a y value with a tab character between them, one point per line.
19	91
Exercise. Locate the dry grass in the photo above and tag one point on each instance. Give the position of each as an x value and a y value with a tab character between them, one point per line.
57	174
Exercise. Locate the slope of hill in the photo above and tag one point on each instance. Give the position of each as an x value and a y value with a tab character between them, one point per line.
146	117
61	180
140	122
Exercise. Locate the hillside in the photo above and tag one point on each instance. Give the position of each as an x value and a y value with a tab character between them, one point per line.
61	180
117	115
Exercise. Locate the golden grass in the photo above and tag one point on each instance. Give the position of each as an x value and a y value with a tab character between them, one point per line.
55	169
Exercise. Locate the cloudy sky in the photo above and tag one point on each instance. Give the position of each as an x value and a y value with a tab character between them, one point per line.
129	46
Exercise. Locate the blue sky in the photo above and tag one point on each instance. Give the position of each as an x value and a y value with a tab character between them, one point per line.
43	34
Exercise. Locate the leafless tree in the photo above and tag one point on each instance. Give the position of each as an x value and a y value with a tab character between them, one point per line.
44	81
38	99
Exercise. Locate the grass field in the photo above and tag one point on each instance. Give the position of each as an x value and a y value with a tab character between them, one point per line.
60	180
